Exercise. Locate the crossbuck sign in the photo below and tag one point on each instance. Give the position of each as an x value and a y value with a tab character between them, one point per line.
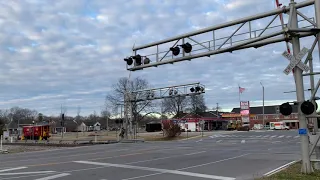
296	61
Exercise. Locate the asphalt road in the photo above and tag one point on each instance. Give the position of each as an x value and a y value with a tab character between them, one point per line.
225	156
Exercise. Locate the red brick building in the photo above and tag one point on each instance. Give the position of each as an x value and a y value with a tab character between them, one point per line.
271	114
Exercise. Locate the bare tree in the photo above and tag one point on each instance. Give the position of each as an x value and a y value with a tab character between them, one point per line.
17	114
197	103
174	106
125	86
4	114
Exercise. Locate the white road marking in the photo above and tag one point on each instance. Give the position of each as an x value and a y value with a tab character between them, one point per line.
12	169
281	136
138	177
288	136
158	170
278	169
243	141
19	173
273	136
296	137
219	141
54	176
167	157
194	153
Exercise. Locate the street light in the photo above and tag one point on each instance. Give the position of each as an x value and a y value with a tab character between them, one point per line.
262	104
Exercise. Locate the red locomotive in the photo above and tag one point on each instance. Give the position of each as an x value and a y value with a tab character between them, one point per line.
36	132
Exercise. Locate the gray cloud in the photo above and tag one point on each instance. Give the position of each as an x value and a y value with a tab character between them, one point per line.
61	52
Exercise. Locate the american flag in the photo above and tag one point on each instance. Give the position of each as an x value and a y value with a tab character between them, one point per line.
241	89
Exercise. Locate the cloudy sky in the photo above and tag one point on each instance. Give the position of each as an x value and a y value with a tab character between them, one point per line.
71	52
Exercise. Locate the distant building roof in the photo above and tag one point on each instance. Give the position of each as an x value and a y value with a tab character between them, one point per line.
267	109
208	114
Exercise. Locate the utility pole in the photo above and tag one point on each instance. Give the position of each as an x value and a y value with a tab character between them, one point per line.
262	105
217	108
306	164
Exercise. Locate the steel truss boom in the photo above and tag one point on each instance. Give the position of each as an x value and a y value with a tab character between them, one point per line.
169	92
214	48
231	23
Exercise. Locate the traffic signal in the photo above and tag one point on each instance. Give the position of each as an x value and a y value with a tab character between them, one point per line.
307	107
62	116
285	109
129	61
175	50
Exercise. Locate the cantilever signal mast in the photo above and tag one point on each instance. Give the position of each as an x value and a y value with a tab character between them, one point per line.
186	47
148	95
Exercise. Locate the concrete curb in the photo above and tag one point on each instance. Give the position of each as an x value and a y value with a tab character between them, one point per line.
60	143
132	141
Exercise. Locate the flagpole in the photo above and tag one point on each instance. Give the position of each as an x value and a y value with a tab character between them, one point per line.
239	93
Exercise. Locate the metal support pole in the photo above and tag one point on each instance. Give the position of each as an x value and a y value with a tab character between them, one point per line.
317	14
262	104
126	115
306	164
1	143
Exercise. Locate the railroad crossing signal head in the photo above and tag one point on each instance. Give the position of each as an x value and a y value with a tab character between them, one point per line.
146	60
307	107
137	59
187	47
175	50
129	61
285	109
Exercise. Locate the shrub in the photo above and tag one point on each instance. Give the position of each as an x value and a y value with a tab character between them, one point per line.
170	129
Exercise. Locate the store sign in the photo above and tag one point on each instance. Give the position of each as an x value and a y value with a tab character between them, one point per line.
244	105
